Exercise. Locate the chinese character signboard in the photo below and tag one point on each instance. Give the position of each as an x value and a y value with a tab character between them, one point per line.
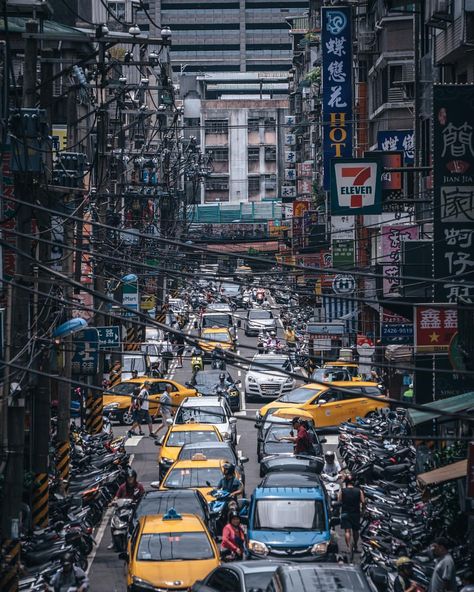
355	186
109	337
343	253
391	239
337	85
391	140
434	328
453	170
85	358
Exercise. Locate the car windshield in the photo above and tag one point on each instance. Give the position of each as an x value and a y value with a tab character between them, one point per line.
278	364
192	437
124	388
289	514
353	370
260	580
299	395
221	453
160	504
322	375
209	378
174	546
217	336
260	314
200	415
216	321
180	478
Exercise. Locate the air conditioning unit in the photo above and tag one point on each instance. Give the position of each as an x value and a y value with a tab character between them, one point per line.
269	185
396	95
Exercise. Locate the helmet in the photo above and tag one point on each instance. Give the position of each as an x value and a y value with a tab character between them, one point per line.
272	334
222	376
233	514
403	561
67	558
228	468
411	385
131	474
329	456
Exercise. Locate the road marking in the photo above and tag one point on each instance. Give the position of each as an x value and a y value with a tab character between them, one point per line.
332	440
239	372
242	413
101	530
133	440
238	438
243	402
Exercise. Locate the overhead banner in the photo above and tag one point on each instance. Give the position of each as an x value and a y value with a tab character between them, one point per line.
453	174
391	246
336	51
391	140
356	186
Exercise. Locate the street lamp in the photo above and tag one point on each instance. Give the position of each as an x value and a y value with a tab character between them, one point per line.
69	327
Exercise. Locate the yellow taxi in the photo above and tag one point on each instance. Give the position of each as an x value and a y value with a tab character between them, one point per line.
179	435
199	473
330	405
117	399
213	337
169	552
351	367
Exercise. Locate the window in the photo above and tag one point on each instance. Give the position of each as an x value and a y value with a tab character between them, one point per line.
217	184
118	9
174	546
270	153
216	126
220	154
253	124
224	579
289	514
254	184
254	153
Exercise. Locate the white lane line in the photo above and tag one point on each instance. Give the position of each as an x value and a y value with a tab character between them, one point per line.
238	438
239	372
133	440
101	530
242	413
243	402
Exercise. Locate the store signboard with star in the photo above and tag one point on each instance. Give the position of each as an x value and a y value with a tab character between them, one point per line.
336	49
453	204
435	326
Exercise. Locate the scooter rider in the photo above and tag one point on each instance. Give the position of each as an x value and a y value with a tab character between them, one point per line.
331	468
229	481
132	488
273	342
69	576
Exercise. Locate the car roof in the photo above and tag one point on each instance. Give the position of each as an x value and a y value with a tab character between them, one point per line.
198	401
322	577
172	493
215	330
291	479
196	464
199	445
194	427
255	566
155	523
289	492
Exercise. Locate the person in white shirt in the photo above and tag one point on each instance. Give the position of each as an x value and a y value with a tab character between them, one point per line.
144	398
331	468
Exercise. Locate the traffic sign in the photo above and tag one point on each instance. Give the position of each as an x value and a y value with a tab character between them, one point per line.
85	359
344	284
109	337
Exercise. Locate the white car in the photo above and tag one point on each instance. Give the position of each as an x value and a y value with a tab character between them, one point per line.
259	320
214	410
268	383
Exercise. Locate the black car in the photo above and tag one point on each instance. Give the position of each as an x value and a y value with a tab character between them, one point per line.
207	381
273	428
184	501
213	450
318	578
291	463
239	576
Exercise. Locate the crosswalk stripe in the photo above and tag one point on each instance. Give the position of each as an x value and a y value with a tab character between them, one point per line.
133	440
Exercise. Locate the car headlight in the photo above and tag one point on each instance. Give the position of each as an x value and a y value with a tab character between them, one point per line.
251	379
289	379
258	548
111	406
144	584
319	548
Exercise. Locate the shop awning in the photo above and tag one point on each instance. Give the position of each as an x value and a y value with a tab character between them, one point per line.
452	405
448	473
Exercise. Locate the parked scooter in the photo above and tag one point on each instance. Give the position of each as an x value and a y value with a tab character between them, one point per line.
120	522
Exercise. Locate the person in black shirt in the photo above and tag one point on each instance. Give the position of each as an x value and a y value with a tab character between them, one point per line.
179	343
352	499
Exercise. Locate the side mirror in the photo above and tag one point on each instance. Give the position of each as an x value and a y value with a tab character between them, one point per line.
157	443
322	401
232	420
124	556
169	421
238	382
244	459
155	484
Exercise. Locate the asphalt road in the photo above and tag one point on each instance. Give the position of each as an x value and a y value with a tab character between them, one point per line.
106	571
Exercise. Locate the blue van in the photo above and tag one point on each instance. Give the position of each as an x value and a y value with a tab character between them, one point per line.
289	518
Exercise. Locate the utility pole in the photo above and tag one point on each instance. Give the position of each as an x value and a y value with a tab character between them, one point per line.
18	337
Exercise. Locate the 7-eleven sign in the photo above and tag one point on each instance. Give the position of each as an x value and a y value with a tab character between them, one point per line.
355	187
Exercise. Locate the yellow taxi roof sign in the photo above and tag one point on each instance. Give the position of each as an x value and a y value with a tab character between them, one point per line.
199	456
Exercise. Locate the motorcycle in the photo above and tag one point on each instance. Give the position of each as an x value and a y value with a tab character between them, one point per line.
222	504
119	523
332	485
197	362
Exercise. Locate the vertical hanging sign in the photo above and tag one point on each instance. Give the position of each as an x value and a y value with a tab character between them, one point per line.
337	85
453	207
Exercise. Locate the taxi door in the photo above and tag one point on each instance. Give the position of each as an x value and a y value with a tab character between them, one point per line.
327	409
